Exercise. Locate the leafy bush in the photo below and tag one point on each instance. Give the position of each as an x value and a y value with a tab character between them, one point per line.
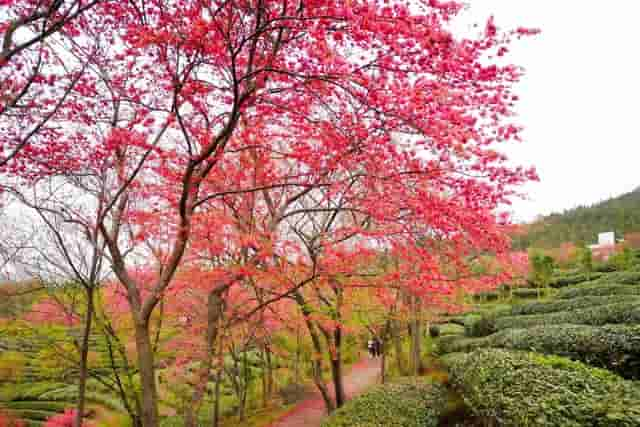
621	277
445	329
597	289
614	347
527	292
528	389
626	312
566	304
486	296
404	404
12	364
464	320
563	280
485	325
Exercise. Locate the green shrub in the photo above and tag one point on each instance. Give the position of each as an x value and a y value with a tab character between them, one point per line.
614	347
405	404
561	281
487	296
526	293
528	389
445	329
464	320
597	289
486	325
626	312
621	277
566	304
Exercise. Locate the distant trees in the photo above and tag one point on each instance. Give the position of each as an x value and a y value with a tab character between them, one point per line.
541	270
582	225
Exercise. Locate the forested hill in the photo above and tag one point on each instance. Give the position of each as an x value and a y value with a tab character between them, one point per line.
582	224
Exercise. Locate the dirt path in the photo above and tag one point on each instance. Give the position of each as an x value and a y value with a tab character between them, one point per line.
310	412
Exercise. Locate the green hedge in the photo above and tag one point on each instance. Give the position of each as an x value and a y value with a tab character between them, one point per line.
565	304
487	296
528	389
626	312
597	289
404	404
614	347
463	320
526	293
446	329
561	281
621	277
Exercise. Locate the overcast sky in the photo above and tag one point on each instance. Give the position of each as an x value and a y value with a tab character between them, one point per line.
579	99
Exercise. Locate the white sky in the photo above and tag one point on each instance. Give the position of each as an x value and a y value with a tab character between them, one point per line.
579	99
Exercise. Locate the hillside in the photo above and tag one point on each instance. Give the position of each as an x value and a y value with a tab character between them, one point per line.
582	224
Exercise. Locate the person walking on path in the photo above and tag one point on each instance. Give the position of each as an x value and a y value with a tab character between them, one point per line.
371	348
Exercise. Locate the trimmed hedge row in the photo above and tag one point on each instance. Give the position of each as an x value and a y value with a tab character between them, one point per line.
463	320
621	277
626	312
526	293
404	404
445	329
565	304
561	281
528	389
614	347
598	289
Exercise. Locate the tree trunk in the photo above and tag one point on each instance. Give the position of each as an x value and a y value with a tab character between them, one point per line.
216	404
383	362
336	368
400	359
215	309
84	354
316	362
147	375
416	338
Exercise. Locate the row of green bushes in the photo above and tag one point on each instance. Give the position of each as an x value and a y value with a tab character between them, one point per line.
614	347
565	304
625	312
563	280
621	277
404	404
528	389
597	289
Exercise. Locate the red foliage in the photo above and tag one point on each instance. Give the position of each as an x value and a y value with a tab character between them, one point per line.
64	420
7	420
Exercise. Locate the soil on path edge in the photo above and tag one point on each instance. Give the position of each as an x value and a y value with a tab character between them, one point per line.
311	411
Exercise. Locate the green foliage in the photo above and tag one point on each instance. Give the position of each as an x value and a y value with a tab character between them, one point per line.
566	304
541	269
465	320
12	365
586	259
528	389
597	289
614	347
486	296
620	277
563	279
404	404
626	312
446	329
582	225
527	293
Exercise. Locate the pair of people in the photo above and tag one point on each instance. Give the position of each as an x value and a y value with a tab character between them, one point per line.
375	347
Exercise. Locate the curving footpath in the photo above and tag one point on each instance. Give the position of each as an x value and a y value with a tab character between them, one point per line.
310	412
